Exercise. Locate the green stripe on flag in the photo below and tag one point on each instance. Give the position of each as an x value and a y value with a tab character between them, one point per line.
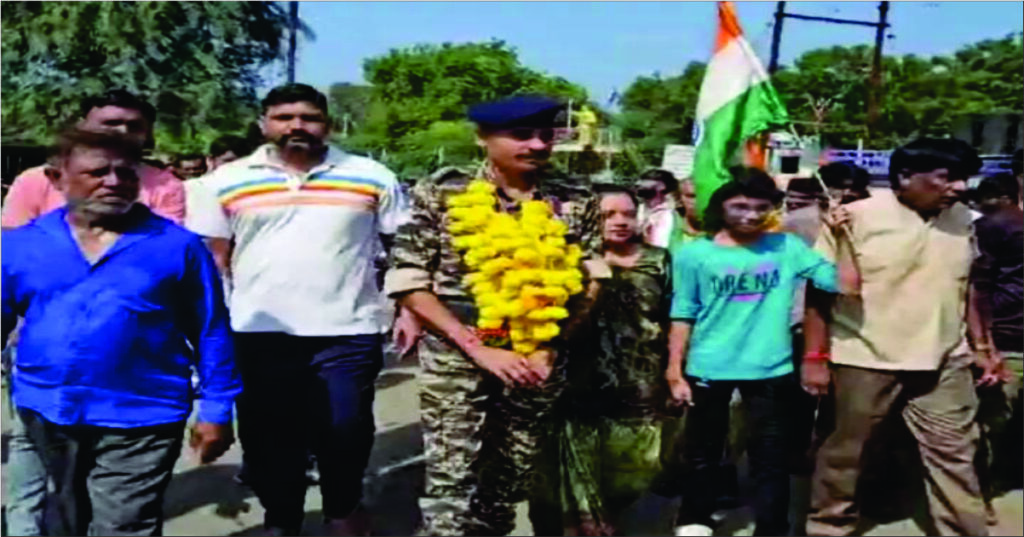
725	130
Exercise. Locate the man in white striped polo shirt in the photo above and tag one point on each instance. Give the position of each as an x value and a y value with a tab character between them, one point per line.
297	224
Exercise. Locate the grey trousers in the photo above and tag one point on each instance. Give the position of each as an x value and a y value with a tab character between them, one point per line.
25	484
107	481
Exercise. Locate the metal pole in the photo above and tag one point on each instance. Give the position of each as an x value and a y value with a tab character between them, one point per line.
875	94
832	20
568	116
780	15
293	29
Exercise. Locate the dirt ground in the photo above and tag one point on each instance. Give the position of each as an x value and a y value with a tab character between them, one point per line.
204	500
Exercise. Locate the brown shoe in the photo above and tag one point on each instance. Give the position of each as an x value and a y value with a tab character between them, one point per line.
356	524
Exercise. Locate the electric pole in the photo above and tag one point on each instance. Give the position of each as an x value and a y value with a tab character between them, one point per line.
780	15
875	95
293	29
875	79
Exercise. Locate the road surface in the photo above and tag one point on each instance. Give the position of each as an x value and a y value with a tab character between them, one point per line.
204	500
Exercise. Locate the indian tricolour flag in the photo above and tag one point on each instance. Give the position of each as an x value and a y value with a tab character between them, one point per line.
736	102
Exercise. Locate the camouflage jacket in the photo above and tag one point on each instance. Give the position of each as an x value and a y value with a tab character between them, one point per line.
423	258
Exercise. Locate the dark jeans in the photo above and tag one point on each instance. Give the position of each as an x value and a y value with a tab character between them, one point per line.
107	481
769	407
300	394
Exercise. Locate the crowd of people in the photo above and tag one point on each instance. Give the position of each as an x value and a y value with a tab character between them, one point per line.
787	323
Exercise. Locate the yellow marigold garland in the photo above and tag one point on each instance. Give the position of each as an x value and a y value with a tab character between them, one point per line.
522	270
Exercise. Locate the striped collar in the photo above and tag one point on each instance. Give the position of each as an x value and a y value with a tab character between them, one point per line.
265	156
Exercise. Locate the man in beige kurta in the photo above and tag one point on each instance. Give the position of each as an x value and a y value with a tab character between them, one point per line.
898	342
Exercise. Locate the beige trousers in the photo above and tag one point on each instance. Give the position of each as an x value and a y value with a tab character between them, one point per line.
939	408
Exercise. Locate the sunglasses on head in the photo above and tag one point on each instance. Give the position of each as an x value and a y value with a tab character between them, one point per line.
544	134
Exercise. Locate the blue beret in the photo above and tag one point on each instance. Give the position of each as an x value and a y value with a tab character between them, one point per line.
517	111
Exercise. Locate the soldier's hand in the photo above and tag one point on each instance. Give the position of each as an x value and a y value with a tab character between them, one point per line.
406	331
512	368
541	363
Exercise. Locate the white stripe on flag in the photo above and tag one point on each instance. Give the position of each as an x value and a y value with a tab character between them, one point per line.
732	71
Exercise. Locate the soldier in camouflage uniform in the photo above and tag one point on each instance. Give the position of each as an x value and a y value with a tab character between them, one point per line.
481	406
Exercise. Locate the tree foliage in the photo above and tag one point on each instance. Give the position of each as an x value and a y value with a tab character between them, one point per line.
828	89
658	111
349	103
826	92
417	106
198	62
828	85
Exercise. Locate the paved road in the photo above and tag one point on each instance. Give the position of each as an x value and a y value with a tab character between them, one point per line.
205	501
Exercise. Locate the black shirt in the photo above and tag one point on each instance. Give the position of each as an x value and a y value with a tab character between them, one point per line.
998	275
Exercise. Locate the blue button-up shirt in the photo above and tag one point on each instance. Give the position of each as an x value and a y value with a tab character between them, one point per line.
112	343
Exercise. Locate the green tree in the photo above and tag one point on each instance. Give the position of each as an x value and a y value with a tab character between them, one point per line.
827	85
657	112
983	78
349	104
420	95
443	143
826	93
197	61
826	90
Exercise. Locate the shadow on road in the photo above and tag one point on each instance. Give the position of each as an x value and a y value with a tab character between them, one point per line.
394	483
207	485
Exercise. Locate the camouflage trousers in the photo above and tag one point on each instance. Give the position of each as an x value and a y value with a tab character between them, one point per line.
480	440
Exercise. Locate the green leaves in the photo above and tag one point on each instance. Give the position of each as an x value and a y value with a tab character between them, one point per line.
659	111
826	92
828	89
200	60
415	107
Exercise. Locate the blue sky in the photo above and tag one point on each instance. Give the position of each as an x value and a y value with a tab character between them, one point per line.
605	45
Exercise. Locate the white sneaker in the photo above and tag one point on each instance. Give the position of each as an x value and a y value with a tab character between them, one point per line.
694	530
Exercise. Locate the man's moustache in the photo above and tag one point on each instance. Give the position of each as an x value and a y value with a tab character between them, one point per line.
305	136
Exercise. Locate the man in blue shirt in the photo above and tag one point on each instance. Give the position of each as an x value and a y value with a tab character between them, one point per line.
119	304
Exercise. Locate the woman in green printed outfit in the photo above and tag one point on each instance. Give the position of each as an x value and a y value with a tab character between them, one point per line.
604	442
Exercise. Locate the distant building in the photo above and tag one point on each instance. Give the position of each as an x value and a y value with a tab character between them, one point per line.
991	134
792	156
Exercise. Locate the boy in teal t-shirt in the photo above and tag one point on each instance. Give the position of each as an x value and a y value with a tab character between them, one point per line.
740	299
731	313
